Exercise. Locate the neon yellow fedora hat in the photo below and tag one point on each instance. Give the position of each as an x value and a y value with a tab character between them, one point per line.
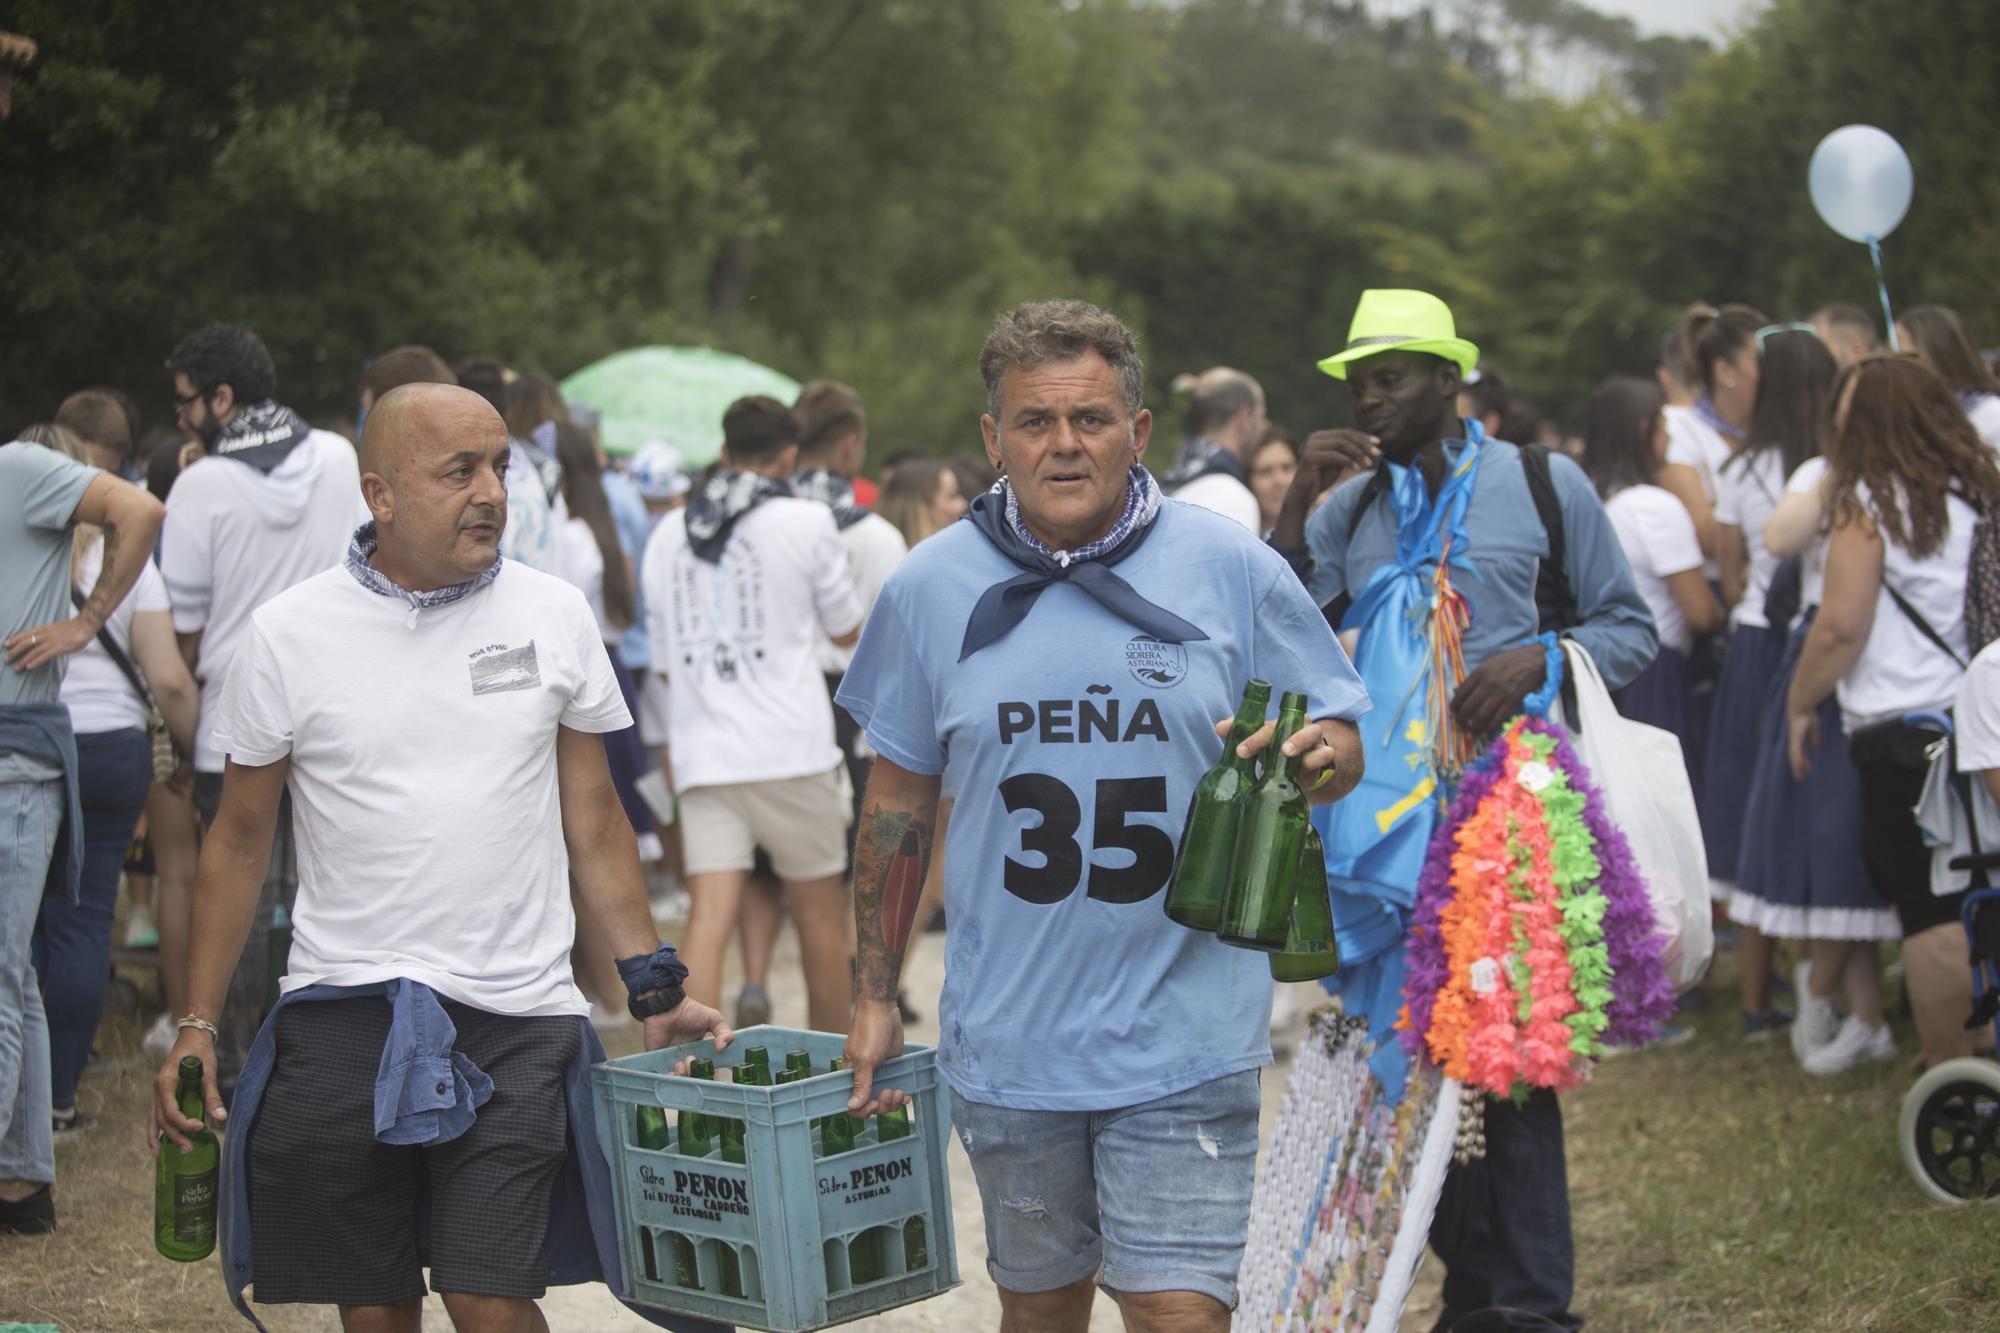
1397	319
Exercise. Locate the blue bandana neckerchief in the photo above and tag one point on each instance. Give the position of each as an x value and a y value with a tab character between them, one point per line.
363	545
724	498
997	515
832	490
261	435
1704	411
1200	458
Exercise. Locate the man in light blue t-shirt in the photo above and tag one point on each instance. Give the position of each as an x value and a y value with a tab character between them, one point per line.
1061	660
43	496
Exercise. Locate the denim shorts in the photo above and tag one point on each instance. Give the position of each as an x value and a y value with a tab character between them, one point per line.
1154	1197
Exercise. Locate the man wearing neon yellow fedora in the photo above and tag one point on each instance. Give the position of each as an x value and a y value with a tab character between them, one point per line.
1458	560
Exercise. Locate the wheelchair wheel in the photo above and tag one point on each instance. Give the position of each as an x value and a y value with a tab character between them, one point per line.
1949	1131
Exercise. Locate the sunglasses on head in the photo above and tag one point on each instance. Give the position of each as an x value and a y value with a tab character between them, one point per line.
1771	330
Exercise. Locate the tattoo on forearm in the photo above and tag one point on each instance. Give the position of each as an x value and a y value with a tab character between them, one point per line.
891	855
100	604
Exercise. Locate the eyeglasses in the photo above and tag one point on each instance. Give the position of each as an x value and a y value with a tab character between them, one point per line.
1771	330
187	400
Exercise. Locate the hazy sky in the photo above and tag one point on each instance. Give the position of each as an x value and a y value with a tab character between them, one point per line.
1687	18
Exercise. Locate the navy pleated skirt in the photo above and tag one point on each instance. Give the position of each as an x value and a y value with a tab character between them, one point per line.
1801	874
1733	728
1659	697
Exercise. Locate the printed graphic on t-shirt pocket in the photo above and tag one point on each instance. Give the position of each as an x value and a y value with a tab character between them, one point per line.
496	670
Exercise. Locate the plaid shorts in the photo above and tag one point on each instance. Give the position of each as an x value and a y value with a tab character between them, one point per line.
337	1218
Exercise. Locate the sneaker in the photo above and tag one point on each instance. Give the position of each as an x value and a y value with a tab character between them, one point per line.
159	1038
32	1216
72	1124
1760	1027
753	1007
141	932
1817	1024
1854	1044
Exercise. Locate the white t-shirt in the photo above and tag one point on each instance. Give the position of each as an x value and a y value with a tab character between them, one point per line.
236	537
739	642
534	517
1900	670
1978	717
423	779
1984	410
581	565
1746	492
874	549
1223	494
1658	539
1807	477
96	692
1696	444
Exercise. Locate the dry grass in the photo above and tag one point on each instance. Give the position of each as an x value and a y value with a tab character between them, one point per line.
1716	1188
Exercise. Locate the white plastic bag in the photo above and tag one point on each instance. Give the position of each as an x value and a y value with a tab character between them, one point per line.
1643	776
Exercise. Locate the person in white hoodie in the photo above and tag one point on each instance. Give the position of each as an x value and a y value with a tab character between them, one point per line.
271	503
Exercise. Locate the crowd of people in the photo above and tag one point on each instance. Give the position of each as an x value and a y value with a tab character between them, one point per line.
1799	510
435	696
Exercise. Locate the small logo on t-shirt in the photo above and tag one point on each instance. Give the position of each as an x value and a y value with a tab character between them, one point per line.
1160	665
497	669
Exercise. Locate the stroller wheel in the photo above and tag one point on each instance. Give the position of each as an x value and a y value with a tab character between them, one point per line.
1949	1131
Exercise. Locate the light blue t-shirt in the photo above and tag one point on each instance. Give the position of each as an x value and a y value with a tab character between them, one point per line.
1073	745
628	515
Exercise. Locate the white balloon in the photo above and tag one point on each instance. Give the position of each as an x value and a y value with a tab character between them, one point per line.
1861	182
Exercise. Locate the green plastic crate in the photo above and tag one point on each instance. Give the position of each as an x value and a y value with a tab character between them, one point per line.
788	1228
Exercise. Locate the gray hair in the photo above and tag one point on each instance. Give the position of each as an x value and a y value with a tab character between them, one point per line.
1044	331
1219	395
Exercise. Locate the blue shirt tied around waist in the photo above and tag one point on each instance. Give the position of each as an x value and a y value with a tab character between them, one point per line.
1497	546
42	731
427	1092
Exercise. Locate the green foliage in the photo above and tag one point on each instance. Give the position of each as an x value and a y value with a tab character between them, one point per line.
855	187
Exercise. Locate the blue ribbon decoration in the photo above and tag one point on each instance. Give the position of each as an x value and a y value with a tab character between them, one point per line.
1539	703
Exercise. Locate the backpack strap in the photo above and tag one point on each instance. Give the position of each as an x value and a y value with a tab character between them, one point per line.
1923	626
1555	599
117	655
1376	486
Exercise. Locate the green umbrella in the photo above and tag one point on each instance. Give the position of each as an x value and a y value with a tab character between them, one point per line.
675	395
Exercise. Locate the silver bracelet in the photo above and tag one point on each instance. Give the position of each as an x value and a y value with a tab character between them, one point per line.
192	1021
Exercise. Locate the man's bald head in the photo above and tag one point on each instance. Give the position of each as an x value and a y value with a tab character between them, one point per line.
434	474
1227	407
420	421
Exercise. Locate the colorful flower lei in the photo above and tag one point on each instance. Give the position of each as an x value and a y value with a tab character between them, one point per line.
1533	942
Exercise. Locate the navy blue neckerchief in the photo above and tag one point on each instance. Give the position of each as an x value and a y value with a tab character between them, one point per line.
262	435
1200	458
1007	603
723	498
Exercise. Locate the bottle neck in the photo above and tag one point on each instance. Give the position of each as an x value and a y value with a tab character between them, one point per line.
188	1096
1248	719
1289	721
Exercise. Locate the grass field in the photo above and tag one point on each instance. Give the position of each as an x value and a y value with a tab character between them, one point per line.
1715	1186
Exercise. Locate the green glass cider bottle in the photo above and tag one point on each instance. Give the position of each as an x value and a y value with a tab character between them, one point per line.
1310	951
652	1125
836	1132
1208	842
687	1272
757	1062
185	1179
1269	841
697	1129
799	1062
